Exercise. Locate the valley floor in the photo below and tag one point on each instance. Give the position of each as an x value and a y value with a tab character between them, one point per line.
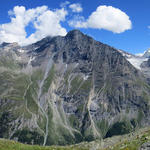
132	141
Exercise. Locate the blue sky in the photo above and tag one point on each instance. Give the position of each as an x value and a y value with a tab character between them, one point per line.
134	40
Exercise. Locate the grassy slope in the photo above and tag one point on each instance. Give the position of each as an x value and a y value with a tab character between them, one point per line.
12	145
130	141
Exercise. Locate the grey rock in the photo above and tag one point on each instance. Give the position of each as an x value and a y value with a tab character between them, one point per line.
145	146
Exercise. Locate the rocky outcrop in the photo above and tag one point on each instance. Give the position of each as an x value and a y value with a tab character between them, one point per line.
145	146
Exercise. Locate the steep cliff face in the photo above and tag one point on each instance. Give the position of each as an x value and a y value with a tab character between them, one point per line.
64	90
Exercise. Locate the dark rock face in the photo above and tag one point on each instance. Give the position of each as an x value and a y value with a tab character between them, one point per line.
145	146
146	70
71	89
146	64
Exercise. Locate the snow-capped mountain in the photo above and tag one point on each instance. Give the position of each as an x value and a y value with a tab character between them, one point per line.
136	60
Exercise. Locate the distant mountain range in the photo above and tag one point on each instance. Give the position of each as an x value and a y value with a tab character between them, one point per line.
65	90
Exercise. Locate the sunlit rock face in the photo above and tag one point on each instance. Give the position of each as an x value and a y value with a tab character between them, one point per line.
65	90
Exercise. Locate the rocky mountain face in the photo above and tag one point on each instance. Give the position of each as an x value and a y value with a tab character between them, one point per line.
147	53
65	90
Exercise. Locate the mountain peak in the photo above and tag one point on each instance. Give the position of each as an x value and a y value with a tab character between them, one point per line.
75	31
147	53
14	44
88	83
74	34
4	44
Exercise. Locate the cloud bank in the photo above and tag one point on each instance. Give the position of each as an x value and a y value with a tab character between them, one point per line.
105	17
45	22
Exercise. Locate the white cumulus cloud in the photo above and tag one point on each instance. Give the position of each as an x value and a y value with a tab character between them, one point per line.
105	17
45	22
76	7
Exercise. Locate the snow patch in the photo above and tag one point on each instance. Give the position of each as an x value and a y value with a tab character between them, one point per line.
137	61
140	54
21	50
66	66
125	54
85	77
